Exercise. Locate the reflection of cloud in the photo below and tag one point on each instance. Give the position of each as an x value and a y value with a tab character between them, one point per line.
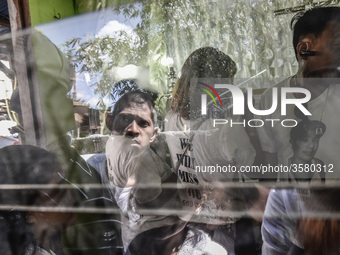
141	73
114	26
6	84
5	125
84	95
119	32
87	77
126	72
93	101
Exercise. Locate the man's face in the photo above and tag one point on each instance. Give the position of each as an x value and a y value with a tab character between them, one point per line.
327	51
136	122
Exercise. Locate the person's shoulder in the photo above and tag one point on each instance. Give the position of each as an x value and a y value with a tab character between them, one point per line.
317	161
174	122
335	88
278	196
171	116
276	193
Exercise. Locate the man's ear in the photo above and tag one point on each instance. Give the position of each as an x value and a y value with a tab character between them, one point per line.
155	132
304	47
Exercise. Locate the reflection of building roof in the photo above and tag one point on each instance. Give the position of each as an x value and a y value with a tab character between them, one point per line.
78	118
5	141
81	115
80	109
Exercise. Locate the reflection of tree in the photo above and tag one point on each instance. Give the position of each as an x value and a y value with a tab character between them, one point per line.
128	85
98	56
246	30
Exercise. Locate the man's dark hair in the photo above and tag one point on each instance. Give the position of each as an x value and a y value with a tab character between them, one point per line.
128	100
300	131
23	165
313	22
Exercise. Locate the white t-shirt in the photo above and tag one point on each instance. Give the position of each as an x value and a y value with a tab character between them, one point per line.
211	148
324	108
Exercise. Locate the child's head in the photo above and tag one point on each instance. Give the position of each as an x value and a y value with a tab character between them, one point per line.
305	137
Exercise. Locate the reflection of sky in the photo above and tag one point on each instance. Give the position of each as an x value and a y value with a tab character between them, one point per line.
98	23
85	24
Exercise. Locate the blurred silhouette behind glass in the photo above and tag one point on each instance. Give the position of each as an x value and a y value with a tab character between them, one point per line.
26	229
206	199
